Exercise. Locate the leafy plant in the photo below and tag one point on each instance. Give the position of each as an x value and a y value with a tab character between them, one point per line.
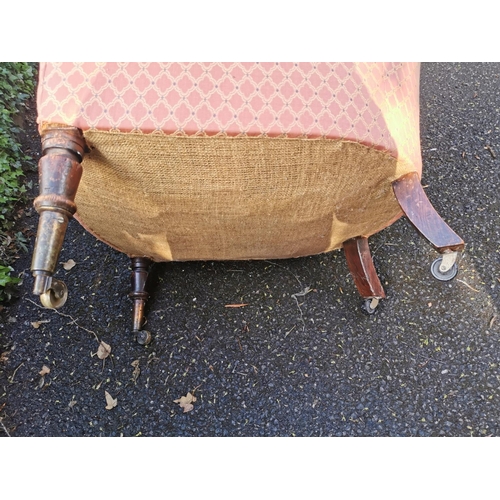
7	282
17	83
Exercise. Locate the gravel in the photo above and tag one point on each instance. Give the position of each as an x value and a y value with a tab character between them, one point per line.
426	364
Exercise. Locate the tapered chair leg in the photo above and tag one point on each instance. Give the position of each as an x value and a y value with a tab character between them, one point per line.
140	271
59	175
360	263
417	207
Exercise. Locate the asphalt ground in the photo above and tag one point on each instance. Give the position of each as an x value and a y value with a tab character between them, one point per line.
426	364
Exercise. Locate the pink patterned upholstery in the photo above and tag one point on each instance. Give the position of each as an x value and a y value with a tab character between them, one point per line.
372	103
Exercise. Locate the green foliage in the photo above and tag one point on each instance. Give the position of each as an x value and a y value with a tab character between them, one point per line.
17	83
7	282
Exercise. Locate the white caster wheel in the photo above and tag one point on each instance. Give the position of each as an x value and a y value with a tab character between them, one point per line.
440	275
370	305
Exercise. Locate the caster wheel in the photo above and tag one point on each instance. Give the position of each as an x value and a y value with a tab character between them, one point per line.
370	305
439	275
144	337
55	297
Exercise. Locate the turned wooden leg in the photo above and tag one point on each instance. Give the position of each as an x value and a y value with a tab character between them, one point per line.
360	263
140	271
417	207
59	176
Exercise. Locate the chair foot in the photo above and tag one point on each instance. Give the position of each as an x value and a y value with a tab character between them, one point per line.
60	172
420	212
360	263
140	271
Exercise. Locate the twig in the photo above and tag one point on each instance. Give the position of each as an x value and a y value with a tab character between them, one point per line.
492	153
430	359
300	294
301	315
4	428
73	320
384	244
473	289
286	269
11	379
303	293
197	387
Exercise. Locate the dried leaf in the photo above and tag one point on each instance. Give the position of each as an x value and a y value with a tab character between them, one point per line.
236	305
110	402
185	402
137	370
70	264
36	324
104	350
44	371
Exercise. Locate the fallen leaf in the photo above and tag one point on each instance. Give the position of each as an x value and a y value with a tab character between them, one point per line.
36	324
236	305
72	403
44	371
137	370
104	350
4	357
110	402
185	402
70	264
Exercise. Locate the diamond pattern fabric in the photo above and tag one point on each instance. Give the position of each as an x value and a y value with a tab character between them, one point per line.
230	161
375	104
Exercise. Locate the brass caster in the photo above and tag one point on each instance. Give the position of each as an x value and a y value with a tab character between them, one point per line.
143	337
56	296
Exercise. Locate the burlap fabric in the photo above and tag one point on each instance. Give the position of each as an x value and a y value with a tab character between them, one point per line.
204	161
203	198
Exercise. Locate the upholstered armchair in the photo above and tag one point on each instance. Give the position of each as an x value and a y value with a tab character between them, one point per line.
230	161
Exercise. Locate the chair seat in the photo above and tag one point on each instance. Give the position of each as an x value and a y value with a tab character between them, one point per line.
204	161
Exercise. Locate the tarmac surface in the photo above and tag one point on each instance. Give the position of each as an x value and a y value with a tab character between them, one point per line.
427	363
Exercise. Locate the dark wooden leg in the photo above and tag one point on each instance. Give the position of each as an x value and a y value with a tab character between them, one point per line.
417	207
59	175
360	263
140	271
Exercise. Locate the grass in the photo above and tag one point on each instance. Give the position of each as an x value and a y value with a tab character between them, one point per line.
17	84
